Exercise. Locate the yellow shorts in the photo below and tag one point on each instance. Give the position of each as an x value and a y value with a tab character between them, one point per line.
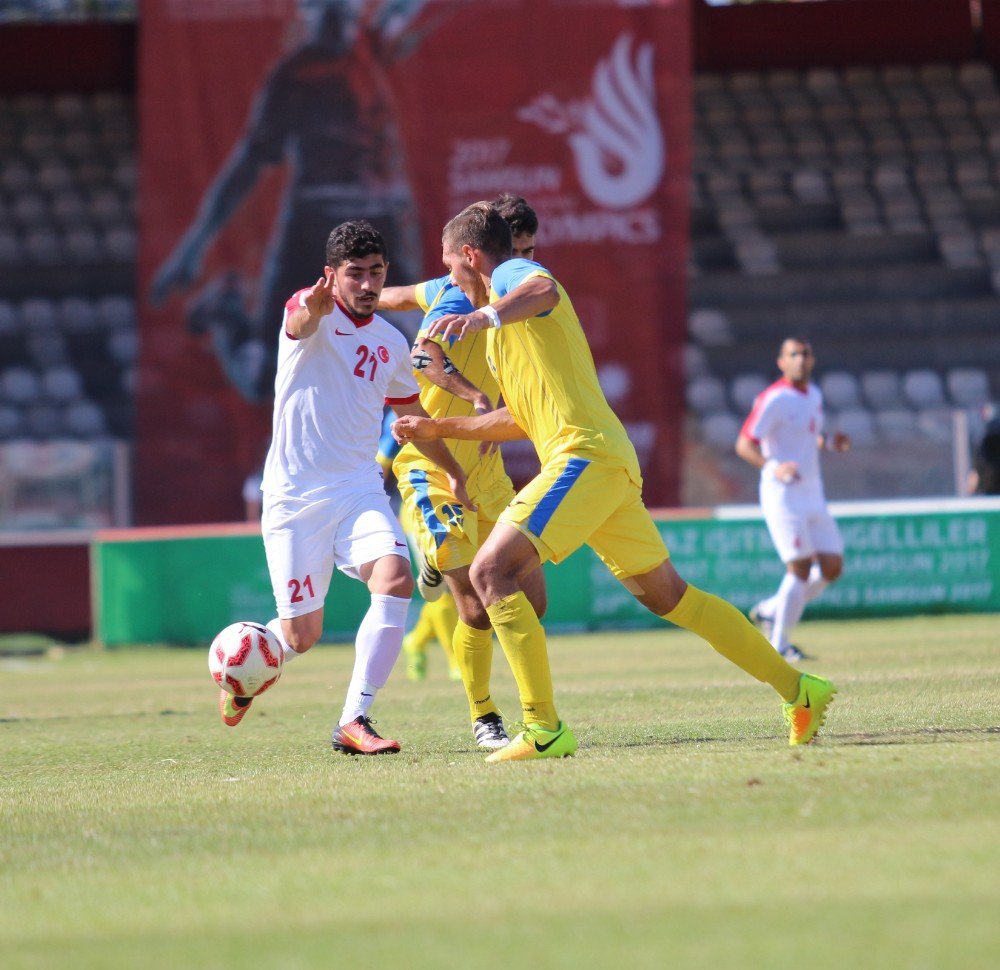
443	530
574	501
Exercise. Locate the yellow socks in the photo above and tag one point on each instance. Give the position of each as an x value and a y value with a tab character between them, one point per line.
474	654
736	638
523	641
442	615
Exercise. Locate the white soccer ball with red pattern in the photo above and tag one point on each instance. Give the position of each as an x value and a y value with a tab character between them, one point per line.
245	659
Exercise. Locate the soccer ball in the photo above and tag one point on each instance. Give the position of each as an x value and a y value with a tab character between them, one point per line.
245	659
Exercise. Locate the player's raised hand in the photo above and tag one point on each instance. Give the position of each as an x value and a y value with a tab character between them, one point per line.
458	325
321	298
411	427
787	472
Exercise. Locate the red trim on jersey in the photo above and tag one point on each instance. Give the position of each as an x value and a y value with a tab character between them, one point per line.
761	399
401	400
294	302
357	321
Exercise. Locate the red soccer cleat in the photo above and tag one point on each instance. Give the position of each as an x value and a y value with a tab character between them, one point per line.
359	737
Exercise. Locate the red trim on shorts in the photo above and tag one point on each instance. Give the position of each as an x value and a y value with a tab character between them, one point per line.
401	400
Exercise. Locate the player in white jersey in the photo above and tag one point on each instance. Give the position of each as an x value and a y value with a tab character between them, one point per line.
782	437
324	505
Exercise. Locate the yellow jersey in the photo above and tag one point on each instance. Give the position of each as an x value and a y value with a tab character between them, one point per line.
546	374
438	298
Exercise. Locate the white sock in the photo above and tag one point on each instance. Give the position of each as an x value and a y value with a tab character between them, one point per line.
790	601
376	647
287	652
815	584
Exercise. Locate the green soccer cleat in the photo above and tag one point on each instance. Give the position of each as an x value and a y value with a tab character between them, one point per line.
536	742
806	714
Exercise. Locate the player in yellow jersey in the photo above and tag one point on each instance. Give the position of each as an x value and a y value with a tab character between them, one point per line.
589	489
447	534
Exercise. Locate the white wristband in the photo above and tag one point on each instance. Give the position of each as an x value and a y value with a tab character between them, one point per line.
491	314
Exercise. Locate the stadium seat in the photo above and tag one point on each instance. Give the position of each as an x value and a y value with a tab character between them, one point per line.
11	422
43	421
10	248
720	430
710	327
882	389
84	419
858	423
46	349
123	345
745	389
62	385
38	314
706	395
968	387
896	425
19	385
10	322
923	388
695	361
116	312
840	390
77	314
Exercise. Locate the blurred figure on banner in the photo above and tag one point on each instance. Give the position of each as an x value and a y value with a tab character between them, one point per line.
327	110
782	436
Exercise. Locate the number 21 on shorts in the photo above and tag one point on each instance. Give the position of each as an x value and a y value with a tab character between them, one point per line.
296	587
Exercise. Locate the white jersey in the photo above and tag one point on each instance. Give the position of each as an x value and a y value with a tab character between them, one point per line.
329	394
785	421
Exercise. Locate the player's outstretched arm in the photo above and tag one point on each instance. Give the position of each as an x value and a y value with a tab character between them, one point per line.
429	359
497	425
536	295
398	298
436	450
303	321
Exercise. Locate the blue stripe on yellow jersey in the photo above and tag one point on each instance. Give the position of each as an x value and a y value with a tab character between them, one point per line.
430	290
546	373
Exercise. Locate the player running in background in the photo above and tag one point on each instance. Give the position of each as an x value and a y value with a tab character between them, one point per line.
588	489
782	436
339	364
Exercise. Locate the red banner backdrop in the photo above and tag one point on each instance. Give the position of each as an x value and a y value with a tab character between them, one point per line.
266	123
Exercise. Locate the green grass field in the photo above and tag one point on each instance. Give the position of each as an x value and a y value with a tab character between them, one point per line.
137	831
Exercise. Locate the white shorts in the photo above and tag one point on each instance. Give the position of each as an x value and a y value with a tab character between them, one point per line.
305	539
802	535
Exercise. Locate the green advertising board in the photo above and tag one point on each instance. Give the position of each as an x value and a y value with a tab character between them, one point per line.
183	586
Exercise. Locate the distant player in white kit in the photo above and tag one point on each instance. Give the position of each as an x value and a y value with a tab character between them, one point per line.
324	502
782	437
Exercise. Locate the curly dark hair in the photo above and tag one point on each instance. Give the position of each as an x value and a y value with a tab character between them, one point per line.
352	240
480	226
519	215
